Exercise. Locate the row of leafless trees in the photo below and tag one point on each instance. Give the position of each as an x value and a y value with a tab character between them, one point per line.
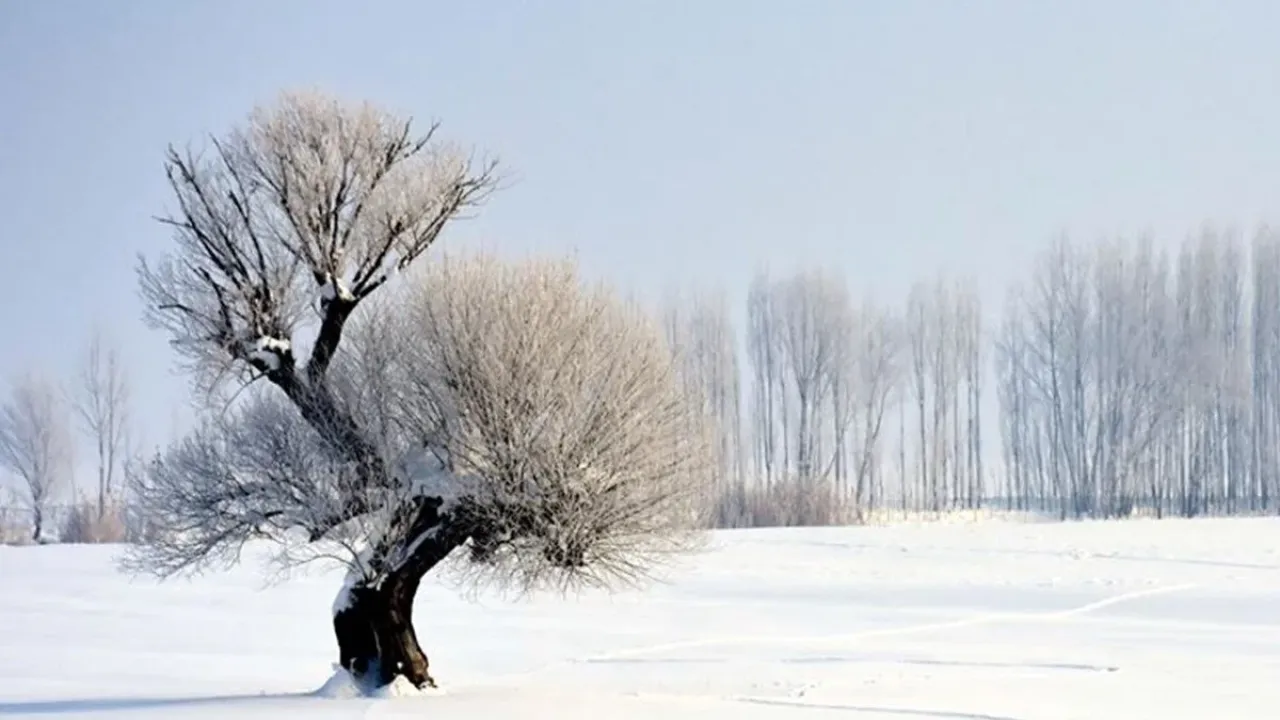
1135	379
1121	378
843	406
40	423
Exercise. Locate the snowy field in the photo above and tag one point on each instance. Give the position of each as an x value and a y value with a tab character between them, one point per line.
991	621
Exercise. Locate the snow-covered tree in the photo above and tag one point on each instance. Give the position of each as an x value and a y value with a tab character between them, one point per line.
511	413
35	443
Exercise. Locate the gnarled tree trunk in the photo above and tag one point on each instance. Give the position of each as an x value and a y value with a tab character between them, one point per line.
376	639
374	620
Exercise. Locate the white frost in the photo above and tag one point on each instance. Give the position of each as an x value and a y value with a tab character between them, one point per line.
267	350
334	288
356	574
424	474
343	600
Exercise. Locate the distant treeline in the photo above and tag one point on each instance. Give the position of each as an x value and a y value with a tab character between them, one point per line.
1125	378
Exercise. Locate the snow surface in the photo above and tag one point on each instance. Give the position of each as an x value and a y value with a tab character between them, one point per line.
1130	620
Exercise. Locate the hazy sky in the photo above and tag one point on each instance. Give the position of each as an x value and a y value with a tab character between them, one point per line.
663	142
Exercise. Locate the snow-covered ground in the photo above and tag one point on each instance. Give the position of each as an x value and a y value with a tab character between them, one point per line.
989	621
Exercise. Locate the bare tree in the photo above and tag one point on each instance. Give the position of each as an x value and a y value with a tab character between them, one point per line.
533	423
35	443
1264	340
313	204
814	314
702	337
101	398
768	388
877	369
519	414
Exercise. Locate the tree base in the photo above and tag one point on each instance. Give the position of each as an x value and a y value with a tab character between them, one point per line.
342	685
377	645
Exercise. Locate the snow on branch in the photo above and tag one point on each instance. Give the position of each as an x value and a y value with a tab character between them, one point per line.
268	352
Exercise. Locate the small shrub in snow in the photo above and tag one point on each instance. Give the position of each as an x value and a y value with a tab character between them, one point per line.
789	504
15	528
84	523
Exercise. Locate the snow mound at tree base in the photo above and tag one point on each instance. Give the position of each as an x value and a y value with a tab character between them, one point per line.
343	686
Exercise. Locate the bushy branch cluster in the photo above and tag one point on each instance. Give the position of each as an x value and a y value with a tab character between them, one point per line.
313	203
256	472
559	401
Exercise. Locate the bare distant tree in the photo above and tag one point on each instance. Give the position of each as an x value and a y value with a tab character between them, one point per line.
101	398
1264	341
705	346
768	389
518	413
944	351
796	329
35	443
920	328
877	366
969	355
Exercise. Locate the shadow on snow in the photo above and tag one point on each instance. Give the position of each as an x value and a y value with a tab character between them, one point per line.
59	707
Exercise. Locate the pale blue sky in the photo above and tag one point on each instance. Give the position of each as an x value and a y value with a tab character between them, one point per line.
663	141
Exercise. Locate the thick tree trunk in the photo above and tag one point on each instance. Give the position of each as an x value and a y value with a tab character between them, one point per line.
376	639
373	619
